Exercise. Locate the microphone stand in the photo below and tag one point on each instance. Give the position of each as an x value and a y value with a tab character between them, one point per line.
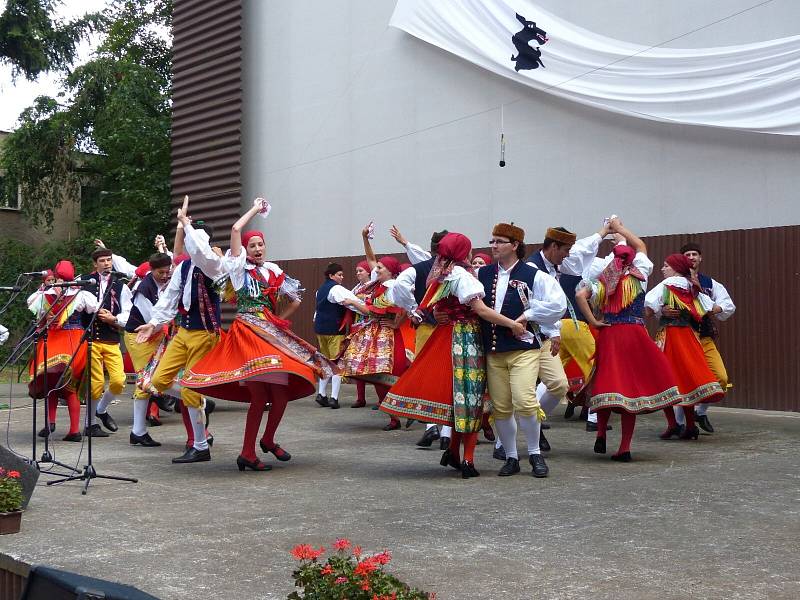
89	471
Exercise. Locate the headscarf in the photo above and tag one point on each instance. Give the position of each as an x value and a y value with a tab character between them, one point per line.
364	265
49	273
616	297
391	264
180	258
64	270
683	266
142	270
248	235
454	249
486	258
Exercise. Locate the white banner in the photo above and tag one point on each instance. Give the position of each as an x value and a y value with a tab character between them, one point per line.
753	87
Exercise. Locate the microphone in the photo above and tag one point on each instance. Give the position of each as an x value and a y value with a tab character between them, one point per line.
35	274
77	283
5	288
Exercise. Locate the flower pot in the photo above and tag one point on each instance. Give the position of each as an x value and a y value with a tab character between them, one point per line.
10	522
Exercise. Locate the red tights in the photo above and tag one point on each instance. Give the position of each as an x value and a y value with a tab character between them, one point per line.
382	390
688	413
361	391
628	425
73	405
260	394
468	440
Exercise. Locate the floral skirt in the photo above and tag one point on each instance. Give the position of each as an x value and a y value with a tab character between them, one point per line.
374	353
684	352
62	344
256	349
630	373
446	382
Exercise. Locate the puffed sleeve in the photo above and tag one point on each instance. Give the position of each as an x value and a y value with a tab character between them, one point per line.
465	286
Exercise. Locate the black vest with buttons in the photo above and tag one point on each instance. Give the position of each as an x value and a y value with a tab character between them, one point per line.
495	337
192	319
708	328
102	331
423	269
328	316
568	283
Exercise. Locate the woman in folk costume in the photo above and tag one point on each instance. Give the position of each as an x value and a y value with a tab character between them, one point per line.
480	260
60	311
679	339
446	382
407	328
361	291
631	375
259	350
375	352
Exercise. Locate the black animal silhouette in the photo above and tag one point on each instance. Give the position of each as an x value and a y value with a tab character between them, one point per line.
528	57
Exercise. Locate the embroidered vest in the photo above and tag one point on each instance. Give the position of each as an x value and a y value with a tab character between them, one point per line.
495	337
568	283
202	314
102	331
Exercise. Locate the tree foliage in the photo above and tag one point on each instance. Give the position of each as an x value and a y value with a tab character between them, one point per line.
108	130
32	42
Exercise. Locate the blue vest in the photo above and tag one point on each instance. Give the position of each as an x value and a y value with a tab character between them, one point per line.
192	319
495	337
148	288
708	328
329	315
102	331
423	269
633	314
568	283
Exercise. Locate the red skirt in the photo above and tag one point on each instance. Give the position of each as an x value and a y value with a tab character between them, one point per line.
61	345
630	373
695	380
257	350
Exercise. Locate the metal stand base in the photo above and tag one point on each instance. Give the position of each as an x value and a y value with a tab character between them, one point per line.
88	474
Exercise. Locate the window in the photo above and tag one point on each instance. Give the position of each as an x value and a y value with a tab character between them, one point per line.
8	201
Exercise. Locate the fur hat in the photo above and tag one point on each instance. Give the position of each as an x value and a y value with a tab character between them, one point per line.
509	230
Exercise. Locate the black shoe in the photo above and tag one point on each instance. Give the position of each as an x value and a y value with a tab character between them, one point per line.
499	453
192	455
570	411
448	460
243	464
153	421
427	439
143	440
209	408
333	403
677	431
544	445
624	457
210	440
510	468
410	422
165	403
468	470
704	423
278	452
73	437
593	426
690	434
545	425
584	413
444	443
358	404
107	421
322	401
392	425
43	433
600	445
540	468
95	431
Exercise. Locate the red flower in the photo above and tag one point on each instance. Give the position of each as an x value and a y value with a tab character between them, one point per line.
13	474
306	552
340	580
365	567
327	570
383	558
365	585
342	544
357	551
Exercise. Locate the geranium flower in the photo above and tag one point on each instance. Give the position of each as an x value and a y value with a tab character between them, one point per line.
306	552
13	474
357	551
340	580
327	570
383	558
341	544
366	566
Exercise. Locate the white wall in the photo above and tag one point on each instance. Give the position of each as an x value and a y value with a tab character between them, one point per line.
345	121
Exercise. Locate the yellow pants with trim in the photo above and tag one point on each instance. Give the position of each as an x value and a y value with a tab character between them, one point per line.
424	331
551	372
106	358
714	361
140	355
184	351
330	345
577	345
511	378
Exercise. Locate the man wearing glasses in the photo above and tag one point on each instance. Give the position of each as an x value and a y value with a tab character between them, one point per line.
526	294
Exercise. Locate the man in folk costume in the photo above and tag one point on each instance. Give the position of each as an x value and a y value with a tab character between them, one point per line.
708	330
332	301
145	355
567	259
192	293
408	292
115	307
523	293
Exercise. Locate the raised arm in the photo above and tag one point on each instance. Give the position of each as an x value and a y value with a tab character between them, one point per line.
633	240
236	230
369	254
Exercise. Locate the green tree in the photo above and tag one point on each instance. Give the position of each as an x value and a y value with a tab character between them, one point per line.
32	42
108	129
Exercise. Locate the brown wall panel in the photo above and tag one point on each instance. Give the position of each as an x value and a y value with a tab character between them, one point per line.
759	344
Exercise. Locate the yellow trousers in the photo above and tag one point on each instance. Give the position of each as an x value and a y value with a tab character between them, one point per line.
424	331
140	355
511	379
578	345
184	351
714	362
106	358
551	372
330	346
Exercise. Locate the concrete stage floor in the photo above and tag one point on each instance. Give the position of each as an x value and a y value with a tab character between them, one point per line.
716	518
